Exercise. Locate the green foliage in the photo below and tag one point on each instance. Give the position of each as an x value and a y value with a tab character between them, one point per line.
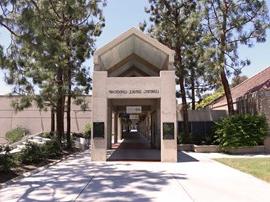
7	160
32	153
241	130
237	80
209	99
16	134
51	42
230	24
177	25
51	149
35	153
87	130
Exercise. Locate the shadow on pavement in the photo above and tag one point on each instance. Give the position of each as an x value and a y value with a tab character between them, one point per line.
79	179
184	157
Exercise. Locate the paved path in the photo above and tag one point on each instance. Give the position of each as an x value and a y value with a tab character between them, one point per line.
196	178
134	147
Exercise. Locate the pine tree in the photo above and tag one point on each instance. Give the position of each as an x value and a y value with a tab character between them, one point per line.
173	24
50	42
229	24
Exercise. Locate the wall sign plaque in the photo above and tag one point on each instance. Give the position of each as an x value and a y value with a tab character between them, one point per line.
98	130
168	131
134	109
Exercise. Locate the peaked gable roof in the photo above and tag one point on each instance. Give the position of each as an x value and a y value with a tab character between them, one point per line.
130	42
252	84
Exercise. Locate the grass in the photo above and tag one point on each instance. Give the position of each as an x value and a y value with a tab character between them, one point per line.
258	167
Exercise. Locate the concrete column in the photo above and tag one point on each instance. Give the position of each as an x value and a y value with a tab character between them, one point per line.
119	128
99	114
168	115
109	128
115	122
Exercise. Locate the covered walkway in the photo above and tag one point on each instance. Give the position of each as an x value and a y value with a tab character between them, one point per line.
134	147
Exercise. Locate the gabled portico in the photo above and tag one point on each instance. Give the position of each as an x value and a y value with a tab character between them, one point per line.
134	70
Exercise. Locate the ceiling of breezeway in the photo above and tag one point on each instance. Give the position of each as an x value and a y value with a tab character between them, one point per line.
133	49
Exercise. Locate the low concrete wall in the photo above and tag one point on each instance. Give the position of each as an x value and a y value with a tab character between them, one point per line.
206	148
203	115
246	150
267	144
185	147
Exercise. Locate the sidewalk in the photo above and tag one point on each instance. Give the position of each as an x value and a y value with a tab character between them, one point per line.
193	179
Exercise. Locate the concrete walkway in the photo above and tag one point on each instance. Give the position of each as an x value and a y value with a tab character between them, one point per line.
192	179
133	147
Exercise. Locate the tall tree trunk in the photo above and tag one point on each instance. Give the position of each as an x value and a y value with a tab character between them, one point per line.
192	89
222	60
69	111
186	138
52	120
227	91
60	107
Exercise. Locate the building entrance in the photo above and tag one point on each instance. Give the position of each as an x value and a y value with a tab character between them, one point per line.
134	135
134	97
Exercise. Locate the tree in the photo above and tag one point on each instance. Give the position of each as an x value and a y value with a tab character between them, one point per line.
50	42
237	79
173	24
231	23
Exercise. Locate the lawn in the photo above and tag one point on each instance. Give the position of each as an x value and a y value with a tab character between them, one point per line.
259	167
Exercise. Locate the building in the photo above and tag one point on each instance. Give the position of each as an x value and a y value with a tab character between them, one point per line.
253	84
133	88
136	72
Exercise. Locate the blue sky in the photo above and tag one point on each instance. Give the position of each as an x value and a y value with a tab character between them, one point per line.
123	14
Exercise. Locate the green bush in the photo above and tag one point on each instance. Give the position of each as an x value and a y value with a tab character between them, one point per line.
51	149
16	134
32	153
7	160
87	130
241	130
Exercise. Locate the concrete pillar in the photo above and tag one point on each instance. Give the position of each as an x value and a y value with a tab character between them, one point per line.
99	114
109	128
168	115
115	122
119	128
158	132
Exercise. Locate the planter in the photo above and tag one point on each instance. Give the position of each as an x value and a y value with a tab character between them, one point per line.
206	148
185	147
246	150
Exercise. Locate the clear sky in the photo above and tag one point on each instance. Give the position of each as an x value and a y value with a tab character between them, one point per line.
121	15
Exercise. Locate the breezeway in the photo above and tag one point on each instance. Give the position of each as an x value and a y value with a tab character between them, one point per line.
195	178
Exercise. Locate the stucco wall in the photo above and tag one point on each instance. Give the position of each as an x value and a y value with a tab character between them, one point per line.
36	121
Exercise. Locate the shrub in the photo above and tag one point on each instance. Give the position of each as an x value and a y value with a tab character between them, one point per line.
51	149
6	159
87	130
241	130
48	135
16	134
32	153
